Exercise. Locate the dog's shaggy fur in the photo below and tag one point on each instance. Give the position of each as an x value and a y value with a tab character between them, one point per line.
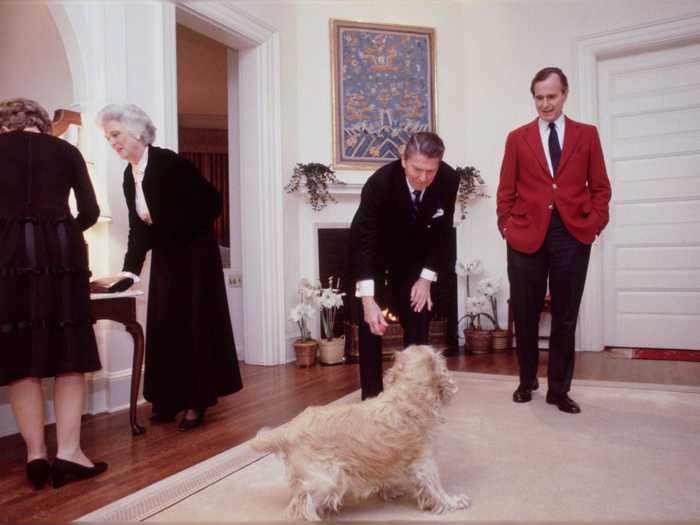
379	446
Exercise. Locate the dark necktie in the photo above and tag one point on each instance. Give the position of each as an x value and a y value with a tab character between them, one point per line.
416	199
554	147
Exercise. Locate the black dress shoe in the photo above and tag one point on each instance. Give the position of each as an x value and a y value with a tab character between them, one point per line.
38	471
62	471
564	403
523	394
189	424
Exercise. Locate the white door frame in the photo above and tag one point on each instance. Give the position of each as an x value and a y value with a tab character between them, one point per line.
260	168
590	50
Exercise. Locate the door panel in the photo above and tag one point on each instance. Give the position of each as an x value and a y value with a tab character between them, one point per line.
650	128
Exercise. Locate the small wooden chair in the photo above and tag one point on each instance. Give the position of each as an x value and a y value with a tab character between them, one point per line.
546	308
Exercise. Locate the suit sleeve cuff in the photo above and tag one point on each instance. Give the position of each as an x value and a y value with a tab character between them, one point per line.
429	275
133	276
364	288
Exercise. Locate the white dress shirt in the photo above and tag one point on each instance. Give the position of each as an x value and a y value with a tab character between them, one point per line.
139	170
365	288
544	136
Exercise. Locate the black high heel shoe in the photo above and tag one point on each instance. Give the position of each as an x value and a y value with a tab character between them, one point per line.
63	470
38	471
189	424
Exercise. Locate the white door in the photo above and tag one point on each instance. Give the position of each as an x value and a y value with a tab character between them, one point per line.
650	128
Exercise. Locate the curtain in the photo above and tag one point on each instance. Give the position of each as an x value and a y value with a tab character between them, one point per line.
214	168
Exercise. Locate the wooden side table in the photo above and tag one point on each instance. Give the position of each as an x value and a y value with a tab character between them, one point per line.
121	307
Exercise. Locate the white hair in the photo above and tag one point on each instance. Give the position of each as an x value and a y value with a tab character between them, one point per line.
132	117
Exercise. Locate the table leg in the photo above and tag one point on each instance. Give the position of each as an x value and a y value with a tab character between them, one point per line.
137	333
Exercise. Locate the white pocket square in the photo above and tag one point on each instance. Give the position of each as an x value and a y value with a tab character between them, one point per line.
439	213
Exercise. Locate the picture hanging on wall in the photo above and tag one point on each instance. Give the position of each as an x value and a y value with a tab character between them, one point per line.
383	81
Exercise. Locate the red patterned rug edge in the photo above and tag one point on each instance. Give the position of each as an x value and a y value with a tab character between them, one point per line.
660	354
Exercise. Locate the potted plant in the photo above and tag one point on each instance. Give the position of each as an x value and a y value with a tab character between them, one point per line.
316	178
305	347
476	340
471	187
489	288
329	300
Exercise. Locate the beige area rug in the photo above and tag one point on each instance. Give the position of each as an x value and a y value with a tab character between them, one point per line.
632	454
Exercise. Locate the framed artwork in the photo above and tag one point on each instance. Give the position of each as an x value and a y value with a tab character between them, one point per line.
383	81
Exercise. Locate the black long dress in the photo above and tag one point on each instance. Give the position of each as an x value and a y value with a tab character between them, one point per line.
45	322
190	351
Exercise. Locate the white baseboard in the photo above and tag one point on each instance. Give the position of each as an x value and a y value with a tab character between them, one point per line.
104	392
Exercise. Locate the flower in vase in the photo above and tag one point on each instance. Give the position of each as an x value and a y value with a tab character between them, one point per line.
329	300
489	288
465	269
301	314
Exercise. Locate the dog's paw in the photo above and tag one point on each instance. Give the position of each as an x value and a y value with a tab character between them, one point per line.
461	501
451	504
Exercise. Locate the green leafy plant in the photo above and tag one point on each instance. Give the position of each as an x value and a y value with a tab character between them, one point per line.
471	187
316	177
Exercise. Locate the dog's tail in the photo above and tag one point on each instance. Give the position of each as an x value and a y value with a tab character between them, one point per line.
270	440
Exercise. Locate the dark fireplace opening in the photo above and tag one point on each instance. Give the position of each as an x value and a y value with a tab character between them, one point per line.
333	254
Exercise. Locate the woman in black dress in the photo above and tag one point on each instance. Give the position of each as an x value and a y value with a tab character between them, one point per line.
45	322
190	352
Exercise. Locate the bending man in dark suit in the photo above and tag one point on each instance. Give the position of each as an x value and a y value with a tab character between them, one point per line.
552	202
401	230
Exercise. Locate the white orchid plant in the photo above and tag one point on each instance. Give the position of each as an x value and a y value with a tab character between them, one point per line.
487	289
329	300
301	314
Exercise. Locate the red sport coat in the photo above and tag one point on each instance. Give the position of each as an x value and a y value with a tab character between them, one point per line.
527	193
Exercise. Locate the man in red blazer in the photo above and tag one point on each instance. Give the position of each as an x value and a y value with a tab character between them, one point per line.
552	202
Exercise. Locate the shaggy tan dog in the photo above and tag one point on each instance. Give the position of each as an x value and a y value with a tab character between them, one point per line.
379	446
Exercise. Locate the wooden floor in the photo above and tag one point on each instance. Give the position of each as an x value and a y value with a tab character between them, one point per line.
271	396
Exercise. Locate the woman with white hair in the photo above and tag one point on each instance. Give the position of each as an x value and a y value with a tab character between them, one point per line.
45	319
190	351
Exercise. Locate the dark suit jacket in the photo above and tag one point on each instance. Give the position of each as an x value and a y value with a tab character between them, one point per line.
181	203
527	193
385	234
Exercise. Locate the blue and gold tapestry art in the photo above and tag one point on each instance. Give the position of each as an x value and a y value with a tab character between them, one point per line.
384	90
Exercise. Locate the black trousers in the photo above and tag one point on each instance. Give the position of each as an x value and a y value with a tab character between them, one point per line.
564	260
415	331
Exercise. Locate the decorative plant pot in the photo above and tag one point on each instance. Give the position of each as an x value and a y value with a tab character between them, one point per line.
305	352
331	352
437	333
477	341
499	340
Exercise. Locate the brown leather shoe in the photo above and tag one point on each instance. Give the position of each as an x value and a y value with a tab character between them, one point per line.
564	403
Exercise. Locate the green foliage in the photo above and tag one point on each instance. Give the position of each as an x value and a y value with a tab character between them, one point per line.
471	187
316	178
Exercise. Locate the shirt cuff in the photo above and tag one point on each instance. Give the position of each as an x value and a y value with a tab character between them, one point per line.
364	288
429	275
130	275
